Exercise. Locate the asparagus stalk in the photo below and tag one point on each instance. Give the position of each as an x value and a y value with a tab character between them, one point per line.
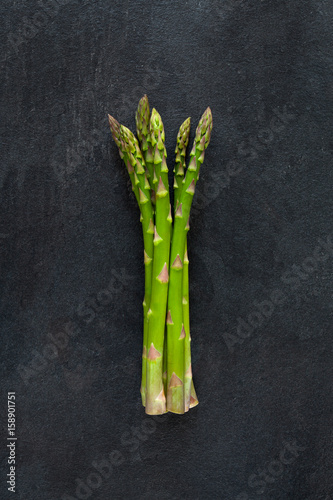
176	389
142	120
130	152
176	329
179	170
155	398
147	219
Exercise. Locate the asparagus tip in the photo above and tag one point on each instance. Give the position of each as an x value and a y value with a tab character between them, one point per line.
113	122
142	117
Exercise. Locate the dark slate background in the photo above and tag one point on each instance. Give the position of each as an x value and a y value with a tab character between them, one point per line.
71	248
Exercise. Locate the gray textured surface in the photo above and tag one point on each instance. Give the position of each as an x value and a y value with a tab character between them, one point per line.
70	231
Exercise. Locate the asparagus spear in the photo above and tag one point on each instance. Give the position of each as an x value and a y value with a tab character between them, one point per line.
179	170
130	152
176	329
155	399
148	235
142	120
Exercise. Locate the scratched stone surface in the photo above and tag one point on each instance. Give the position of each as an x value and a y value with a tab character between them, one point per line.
260	248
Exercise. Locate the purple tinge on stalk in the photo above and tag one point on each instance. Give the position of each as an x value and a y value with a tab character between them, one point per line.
182	333
169	318
163	277
175	381
153	354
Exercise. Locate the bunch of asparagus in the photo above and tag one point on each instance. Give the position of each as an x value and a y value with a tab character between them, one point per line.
167	383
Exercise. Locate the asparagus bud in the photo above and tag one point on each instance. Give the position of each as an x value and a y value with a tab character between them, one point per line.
142	119
179	170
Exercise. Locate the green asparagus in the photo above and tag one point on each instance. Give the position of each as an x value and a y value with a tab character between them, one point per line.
166	382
